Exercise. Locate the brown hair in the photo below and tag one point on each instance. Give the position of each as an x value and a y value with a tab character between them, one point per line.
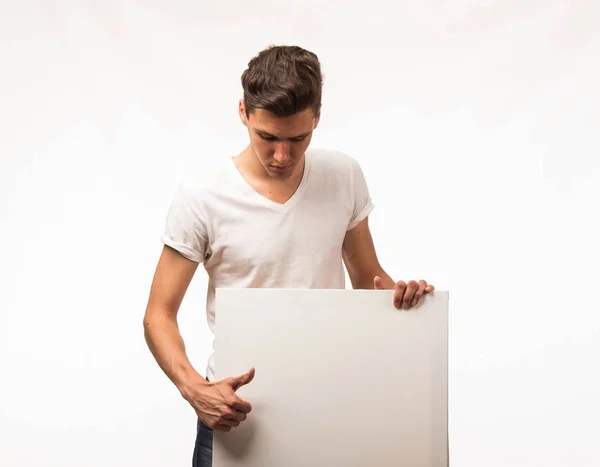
283	80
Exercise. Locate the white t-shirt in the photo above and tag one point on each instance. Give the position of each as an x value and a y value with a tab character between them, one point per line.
245	240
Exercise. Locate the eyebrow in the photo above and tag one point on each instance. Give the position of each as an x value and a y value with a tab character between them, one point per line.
269	135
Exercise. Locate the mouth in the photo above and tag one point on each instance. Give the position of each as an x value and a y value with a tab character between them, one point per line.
280	169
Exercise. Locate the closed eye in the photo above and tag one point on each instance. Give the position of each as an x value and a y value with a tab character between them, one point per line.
299	138
273	138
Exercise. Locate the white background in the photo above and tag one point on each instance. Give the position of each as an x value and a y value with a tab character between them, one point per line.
477	126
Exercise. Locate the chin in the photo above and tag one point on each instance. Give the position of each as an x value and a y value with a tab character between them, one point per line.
280	175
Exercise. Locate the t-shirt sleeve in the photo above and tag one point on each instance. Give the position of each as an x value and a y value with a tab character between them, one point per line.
363	204
186	225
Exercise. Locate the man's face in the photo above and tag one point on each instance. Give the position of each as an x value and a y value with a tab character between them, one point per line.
279	142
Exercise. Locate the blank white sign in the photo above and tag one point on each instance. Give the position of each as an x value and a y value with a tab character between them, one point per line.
343	378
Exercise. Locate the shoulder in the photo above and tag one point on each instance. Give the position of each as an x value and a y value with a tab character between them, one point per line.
205	181
333	161
331	157
334	164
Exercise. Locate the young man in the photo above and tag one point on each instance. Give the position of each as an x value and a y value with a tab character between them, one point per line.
277	215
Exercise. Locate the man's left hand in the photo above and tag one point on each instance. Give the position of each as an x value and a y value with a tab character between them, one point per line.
406	295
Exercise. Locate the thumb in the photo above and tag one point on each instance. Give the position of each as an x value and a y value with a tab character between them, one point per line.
378	283
241	380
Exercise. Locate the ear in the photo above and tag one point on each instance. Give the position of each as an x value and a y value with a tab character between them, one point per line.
242	112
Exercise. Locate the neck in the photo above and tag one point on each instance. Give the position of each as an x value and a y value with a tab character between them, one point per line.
252	167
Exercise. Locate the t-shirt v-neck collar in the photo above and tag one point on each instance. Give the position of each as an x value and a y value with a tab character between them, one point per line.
282	207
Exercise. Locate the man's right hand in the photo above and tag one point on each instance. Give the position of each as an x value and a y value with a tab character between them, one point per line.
217	405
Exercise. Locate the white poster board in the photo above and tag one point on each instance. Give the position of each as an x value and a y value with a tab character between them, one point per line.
343	379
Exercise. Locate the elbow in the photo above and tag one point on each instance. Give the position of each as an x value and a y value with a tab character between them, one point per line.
157	316
148	324
149	316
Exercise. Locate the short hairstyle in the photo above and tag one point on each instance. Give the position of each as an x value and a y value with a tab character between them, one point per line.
283	80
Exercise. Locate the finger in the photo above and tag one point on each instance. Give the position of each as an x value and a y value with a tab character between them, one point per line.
237	415
399	289
226	419
239	405
230	422
241	380
231	413
220	427
232	418
378	283
429	288
411	288
419	293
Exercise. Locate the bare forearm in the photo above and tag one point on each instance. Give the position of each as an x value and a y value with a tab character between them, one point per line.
387	280
367	282
166	344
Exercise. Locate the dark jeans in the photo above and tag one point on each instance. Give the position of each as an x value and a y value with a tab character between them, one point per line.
203	447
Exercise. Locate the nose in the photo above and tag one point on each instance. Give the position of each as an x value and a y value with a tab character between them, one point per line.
282	152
